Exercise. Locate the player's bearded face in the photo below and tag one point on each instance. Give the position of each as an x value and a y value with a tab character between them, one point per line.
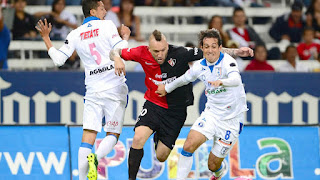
159	50
211	49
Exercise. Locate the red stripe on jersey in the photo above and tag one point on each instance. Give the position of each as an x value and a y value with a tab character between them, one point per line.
152	70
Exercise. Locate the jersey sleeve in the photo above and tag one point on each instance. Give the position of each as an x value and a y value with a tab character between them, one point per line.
114	38
193	54
131	54
69	45
231	65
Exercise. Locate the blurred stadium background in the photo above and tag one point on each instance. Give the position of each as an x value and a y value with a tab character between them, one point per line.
41	105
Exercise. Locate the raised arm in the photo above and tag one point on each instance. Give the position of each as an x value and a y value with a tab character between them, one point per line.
58	57
242	52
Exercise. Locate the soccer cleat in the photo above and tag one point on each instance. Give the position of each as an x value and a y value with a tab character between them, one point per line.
93	166
213	177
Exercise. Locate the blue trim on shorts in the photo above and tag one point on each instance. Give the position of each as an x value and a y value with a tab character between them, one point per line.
86	145
241	127
219	168
185	153
127	100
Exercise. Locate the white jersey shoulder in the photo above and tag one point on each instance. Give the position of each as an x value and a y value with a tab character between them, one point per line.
93	42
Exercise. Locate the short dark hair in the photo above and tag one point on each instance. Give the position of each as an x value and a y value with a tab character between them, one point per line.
87	5
307	29
157	35
209	33
15	1
289	47
236	9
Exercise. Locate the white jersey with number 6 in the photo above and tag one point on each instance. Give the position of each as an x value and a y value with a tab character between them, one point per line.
93	41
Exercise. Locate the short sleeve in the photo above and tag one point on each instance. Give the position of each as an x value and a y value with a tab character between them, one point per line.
69	45
193	54
132	54
231	66
113	33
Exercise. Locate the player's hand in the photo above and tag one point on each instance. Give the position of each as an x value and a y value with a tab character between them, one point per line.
161	91
216	83
244	52
125	32
119	67
44	28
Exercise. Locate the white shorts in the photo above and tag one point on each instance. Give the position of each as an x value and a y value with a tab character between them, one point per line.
110	104
224	133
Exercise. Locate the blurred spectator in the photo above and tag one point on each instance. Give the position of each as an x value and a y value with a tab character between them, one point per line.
189	44
308	49
62	21
292	64
4	42
313	17
259	62
217	23
128	19
289	26
68	2
36	2
143	2
245	35
24	23
110	14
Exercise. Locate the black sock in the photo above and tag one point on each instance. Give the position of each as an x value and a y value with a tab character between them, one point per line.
135	156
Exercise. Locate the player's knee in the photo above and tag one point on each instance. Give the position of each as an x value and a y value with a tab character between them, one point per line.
162	157
213	166
189	147
138	141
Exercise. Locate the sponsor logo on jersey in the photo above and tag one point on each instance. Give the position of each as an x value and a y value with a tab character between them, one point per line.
167	81
101	70
196	50
115	35
200	124
89	34
172	62
163	75
215	91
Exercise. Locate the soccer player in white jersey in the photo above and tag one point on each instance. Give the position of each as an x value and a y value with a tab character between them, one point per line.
222	119
106	93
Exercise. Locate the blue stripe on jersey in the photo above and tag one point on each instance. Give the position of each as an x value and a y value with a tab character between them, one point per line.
231	72
185	153
86	145
204	61
116	44
63	53
89	19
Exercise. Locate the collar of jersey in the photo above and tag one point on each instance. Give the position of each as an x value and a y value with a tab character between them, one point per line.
91	18
204	62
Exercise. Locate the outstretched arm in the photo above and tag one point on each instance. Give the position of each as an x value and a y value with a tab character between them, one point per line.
185	79
242	52
115	55
58	57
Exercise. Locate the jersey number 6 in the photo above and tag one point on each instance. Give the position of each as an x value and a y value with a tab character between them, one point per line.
94	52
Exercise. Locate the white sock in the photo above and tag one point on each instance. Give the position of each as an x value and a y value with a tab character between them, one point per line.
106	146
219	172
84	151
184	165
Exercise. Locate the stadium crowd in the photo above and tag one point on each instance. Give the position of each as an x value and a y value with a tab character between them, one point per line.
298	31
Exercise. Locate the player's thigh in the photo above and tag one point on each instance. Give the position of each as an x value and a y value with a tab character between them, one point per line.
141	135
162	152
114	115
194	141
92	115
227	134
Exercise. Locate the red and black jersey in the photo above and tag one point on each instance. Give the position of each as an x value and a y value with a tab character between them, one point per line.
175	65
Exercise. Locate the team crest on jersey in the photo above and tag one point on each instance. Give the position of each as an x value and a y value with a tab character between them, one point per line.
218	71
172	62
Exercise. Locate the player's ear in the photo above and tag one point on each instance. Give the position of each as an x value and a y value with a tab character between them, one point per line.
92	12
